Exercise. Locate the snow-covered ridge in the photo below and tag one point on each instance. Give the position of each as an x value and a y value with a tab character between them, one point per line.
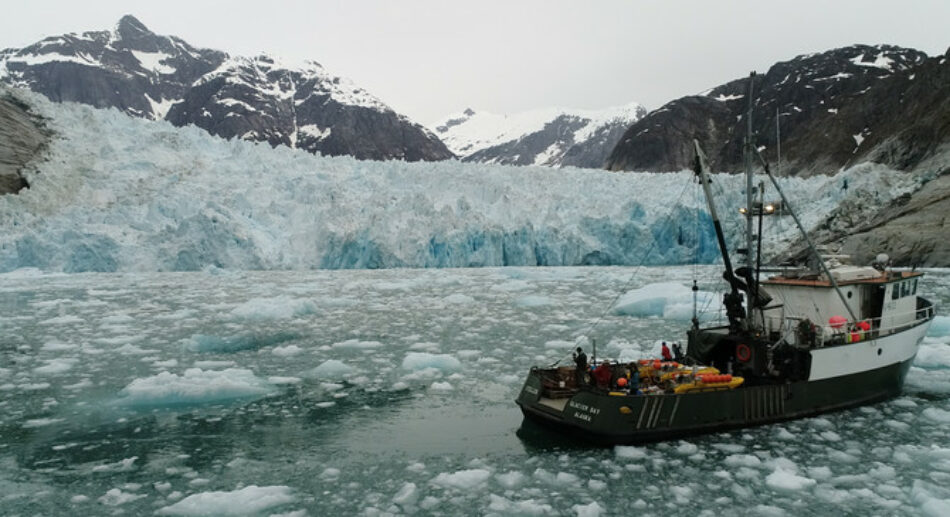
257	98
121	194
468	132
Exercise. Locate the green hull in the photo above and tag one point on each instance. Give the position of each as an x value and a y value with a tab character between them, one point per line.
601	418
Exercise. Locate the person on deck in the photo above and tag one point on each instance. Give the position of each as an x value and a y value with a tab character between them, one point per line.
602	374
665	350
677	353
580	371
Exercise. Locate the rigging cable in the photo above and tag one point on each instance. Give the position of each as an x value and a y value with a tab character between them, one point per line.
623	290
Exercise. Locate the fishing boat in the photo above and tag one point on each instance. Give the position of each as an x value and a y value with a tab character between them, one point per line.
800	341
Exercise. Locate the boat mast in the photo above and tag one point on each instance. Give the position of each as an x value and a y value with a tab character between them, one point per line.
749	150
733	299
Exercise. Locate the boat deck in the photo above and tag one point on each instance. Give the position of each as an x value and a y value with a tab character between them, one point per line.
555	404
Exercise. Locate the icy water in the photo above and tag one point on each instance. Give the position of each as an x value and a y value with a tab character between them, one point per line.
391	392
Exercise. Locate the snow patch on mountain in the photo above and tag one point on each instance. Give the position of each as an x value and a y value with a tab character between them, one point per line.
468	132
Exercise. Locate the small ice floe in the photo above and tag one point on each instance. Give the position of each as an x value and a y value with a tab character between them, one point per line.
628	452
416	361
229	344
331	369
249	500
356	344
278	308
124	465
58	365
668	300
195	386
470	479
40	422
116	497
459	299
940	327
505	506
286	351
534	301
592	509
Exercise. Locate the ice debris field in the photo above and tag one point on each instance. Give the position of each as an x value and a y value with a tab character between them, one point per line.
123	194
391	392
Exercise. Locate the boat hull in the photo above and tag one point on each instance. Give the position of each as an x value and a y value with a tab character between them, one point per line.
602	418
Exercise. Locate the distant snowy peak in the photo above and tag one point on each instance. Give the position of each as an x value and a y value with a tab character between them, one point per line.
552	137
254	98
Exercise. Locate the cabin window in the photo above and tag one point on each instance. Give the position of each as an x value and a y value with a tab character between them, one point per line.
849	294
895	291
915	287
905	289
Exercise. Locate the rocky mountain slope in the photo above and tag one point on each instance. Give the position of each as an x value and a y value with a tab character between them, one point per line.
551	137
836	108
23	137
259	99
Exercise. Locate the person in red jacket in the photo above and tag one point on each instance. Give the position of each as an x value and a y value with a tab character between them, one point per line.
602	374
665	350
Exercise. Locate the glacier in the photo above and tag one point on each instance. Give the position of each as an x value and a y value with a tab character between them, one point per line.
117	194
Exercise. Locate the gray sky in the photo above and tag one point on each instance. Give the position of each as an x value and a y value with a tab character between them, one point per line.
430	58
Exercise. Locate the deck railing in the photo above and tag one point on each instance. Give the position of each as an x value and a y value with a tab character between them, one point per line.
806	332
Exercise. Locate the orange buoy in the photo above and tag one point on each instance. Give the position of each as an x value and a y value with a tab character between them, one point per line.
622	382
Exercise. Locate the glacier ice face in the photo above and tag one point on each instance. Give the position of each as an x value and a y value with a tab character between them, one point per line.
120	194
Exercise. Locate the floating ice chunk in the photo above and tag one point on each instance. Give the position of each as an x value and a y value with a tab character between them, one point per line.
933	356
58	347
819	473
937	415
195	386
58	365
630	452
596	484
667	299
62	320
356	344
567	479
226	344
511	479
116	497
534	301
279	308
463	479
249	500
742	460
940	327
332	369
40	422
593	509
459	299
687	448
277	379
781	479
505	506
78	499
407	495
766	510
416	361
558	344
286	351
441	386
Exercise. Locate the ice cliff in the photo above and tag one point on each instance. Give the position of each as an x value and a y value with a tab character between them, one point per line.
122	194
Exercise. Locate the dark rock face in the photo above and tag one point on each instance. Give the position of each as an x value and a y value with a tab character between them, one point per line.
163	77
22	140
836	108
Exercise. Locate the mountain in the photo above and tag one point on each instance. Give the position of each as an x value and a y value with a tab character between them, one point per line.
550	137
882	103
259	99
23	140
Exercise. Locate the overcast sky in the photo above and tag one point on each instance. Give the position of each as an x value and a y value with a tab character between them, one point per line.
431	58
